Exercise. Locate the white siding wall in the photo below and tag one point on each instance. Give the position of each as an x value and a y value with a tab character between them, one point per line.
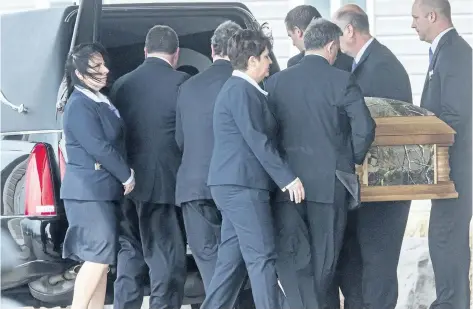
20	5
271	11
391	24
10	5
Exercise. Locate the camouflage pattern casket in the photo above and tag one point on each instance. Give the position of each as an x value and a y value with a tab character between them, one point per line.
408	159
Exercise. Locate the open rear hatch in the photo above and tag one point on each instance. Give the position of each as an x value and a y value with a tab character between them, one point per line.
34	49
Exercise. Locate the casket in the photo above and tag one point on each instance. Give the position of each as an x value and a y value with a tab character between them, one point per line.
408	159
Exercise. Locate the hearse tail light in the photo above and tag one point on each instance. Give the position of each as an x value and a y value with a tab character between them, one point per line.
39	188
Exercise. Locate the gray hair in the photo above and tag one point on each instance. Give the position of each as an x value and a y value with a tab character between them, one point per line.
221	36
441	7
319	33
358	19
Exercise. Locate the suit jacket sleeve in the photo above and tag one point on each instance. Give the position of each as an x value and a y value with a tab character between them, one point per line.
343	62
361	123
86	127
178	134
295	59
179	131
456	92
249	117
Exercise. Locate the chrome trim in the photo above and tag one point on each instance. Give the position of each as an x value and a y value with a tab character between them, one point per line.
34	217
21	109
31	132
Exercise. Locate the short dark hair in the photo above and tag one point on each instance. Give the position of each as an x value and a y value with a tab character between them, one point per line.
320	32
221	36
359	20
162	39
301	16
246	43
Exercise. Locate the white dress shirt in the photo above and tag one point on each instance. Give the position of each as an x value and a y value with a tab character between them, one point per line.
436	41
250	80
362	50
96	97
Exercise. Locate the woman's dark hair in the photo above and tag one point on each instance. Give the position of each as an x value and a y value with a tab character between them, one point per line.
78	59
246	43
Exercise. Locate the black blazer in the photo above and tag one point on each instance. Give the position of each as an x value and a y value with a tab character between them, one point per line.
324	124
343	61
448	94
194	130
93	134
244	129
380	74
146	99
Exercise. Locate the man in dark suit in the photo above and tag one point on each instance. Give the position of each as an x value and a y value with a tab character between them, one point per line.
368	262
448	94
242	169
194	136
150	232
296	22
325	129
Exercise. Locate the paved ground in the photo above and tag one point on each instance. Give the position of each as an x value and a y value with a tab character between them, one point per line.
417	227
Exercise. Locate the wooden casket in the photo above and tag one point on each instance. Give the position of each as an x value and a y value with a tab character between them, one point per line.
408	159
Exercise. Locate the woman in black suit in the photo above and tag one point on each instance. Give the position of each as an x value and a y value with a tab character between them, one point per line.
97	175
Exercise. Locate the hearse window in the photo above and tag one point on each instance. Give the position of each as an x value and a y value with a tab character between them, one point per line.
124	37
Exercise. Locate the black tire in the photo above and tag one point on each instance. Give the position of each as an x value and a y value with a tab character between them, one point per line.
13	196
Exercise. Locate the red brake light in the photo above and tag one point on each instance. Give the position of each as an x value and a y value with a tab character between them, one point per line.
39	189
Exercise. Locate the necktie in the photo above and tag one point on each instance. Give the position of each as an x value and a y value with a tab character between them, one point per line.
353	65
431	55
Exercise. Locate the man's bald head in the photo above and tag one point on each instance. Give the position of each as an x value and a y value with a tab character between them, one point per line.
355	26
430	18
351	7
352	14
441	7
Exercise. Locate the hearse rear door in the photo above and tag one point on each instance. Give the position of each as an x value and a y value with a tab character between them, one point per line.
34	46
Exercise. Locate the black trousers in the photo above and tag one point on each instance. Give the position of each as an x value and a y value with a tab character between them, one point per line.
247	239
449	245
202	222
309	239
367	267
150	236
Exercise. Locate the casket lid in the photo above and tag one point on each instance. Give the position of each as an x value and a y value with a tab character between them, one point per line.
401	123
411	125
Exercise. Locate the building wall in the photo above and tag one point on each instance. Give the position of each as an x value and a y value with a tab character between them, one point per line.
391	24
20	5
10	5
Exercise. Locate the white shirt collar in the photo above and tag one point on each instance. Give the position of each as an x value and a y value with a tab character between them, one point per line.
250	80
362	50
99	97
436	41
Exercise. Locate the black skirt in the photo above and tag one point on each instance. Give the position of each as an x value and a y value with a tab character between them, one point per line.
92	235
